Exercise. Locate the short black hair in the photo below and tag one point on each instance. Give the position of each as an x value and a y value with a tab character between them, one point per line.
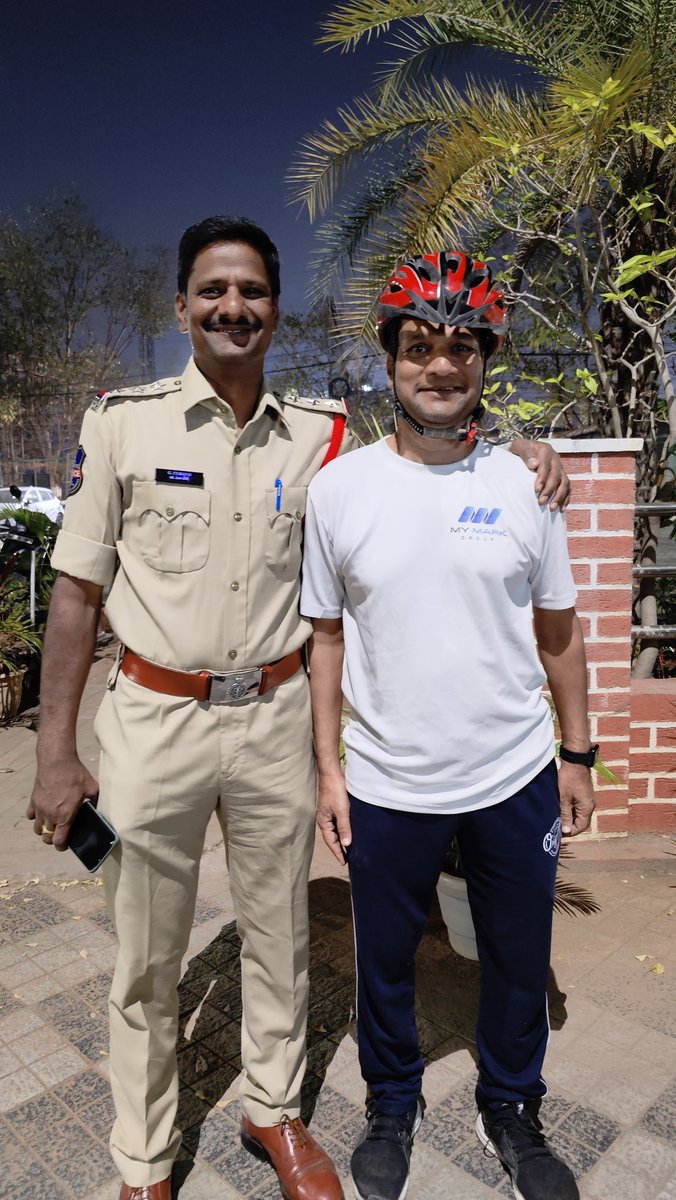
227	229
389	337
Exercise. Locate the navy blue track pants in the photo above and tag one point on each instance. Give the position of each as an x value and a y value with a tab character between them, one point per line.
509	852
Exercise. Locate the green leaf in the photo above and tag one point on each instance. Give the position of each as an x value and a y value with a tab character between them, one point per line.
650	132
587	380
605	773
640	264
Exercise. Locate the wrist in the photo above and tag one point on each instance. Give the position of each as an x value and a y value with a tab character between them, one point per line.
50	756
577	755
330	773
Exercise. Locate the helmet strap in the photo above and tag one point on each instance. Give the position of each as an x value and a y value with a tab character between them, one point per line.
452	433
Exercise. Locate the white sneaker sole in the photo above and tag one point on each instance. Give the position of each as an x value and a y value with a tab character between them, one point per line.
371	1195
490	1149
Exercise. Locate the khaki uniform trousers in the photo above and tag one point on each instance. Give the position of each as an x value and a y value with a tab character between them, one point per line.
166	765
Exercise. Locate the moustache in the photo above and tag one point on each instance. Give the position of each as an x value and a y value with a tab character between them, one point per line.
254	326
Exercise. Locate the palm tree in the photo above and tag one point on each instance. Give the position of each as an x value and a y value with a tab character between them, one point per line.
567	176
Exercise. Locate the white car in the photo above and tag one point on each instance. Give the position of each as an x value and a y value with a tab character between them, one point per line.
36	499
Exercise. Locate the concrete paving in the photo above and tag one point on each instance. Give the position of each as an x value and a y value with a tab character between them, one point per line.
611	1065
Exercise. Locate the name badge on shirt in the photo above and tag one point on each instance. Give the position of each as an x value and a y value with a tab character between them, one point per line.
183	478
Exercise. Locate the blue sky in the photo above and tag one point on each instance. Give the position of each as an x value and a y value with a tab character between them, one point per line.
159	114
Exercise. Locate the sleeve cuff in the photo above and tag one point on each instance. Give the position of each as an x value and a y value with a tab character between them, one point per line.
318	613
556	603
84	559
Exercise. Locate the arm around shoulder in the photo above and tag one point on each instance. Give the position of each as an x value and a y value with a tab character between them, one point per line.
552	485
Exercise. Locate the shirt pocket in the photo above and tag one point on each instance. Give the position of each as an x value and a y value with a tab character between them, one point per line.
168	527
284	531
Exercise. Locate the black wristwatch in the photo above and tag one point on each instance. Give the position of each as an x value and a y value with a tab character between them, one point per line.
585	758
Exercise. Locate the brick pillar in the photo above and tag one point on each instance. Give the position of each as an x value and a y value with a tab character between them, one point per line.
601	540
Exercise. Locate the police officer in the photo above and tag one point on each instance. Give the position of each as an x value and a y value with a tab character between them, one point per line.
187	499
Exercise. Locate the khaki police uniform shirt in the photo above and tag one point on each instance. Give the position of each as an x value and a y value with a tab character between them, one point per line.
177	509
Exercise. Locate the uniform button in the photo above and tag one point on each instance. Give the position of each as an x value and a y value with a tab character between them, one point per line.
238	449
238	516
299	516
170	511
234	587
232	654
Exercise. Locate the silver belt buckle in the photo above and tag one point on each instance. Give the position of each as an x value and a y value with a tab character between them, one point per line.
234	686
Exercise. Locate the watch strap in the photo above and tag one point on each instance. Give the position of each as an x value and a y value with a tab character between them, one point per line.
585	758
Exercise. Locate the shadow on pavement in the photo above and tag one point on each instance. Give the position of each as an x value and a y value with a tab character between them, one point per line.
210	1009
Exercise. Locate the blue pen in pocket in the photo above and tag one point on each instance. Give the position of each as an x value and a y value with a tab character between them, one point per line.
278	497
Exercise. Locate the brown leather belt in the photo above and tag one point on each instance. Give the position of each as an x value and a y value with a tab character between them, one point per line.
203	685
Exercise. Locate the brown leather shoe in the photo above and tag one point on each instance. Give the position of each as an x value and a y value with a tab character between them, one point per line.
150	1191
304	1171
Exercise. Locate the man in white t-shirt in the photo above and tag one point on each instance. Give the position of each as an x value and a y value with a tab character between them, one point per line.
428	561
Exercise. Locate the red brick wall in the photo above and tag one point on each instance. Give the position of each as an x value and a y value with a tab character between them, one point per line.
629	719
652	761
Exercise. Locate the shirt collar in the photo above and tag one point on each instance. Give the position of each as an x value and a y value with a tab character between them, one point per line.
196	389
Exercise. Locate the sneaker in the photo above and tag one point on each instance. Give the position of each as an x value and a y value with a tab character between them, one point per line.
537	1173
381	1160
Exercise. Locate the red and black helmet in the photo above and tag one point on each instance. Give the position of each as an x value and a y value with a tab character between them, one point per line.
446	288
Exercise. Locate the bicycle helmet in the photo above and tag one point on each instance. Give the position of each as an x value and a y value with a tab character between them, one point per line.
445	288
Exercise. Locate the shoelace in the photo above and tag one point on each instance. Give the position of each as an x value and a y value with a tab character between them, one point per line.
386	1128
295	1130
523	1133
141	1193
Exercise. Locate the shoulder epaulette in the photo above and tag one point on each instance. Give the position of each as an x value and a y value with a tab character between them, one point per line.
160	387
319	404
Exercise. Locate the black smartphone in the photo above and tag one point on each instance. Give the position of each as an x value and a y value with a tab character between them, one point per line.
91	837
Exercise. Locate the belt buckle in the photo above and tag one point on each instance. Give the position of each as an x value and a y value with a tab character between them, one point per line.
235	686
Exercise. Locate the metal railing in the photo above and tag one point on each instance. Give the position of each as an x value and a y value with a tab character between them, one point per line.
655	632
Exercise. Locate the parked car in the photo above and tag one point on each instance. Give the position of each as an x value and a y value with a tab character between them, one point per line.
35	499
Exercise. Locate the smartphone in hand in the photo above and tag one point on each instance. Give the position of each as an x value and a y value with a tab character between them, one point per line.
91	837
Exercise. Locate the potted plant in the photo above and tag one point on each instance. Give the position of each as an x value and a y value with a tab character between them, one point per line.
26	579
17	639
454	904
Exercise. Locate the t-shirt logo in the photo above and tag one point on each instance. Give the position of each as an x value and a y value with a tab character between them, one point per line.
478	524
480	516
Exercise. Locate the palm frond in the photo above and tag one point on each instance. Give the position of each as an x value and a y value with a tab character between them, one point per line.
570	898
621	23
597	92
342	237
448	200
347	24
326	156
574	900
528	36
587	103
424	53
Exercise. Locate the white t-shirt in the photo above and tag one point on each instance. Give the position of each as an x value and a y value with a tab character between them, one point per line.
434	571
